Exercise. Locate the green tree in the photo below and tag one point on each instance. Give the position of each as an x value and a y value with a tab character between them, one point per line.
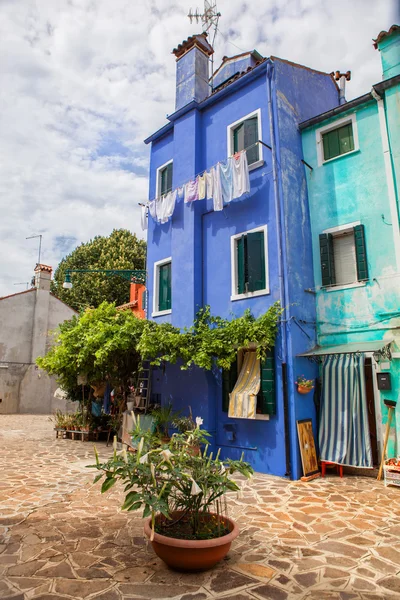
100	343
120	250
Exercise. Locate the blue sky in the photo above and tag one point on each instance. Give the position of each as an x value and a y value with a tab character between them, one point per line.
83	83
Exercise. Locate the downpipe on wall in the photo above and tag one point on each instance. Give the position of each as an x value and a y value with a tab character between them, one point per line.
281	272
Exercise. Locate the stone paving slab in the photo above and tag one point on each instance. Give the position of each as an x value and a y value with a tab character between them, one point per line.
328	539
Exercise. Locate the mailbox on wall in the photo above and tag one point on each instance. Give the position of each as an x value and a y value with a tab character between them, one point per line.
384	381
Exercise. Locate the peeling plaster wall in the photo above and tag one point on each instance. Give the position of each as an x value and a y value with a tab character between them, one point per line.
354	188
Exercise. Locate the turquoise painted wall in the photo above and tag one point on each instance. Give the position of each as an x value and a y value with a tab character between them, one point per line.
353	188
390	55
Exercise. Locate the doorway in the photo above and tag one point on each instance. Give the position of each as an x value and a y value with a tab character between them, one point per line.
369	389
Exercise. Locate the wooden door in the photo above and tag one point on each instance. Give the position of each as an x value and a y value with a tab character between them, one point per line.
369	388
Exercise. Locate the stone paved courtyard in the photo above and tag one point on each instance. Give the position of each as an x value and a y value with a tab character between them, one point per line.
59	538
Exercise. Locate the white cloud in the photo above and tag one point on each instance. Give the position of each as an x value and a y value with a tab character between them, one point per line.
84	81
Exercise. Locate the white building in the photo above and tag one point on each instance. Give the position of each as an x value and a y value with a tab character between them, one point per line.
26	322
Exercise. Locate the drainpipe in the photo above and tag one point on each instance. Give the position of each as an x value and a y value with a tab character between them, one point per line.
390	181
281	271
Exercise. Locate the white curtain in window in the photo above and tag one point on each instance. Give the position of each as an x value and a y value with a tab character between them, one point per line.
344	254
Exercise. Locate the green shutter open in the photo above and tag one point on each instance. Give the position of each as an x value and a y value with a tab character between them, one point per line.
166	179
327	261
268	386
169	177
240	257
238	143
250	138
164	287
255	261
229	379
361	253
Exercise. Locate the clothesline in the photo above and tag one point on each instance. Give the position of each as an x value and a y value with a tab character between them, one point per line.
223	182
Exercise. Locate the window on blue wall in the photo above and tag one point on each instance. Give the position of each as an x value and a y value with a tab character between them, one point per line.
162	294
164	184
266	397
245	137
249	263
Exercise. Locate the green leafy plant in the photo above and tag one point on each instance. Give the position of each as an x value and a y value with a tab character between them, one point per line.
163	417
303	382
183	493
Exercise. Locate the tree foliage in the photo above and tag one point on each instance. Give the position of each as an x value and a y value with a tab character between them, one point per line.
101	343
104	342
120	250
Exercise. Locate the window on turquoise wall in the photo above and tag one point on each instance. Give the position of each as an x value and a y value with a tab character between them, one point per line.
245	135
266	398
250	261
165	179
338	141
343	256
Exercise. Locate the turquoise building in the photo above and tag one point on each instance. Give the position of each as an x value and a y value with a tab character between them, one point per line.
353	165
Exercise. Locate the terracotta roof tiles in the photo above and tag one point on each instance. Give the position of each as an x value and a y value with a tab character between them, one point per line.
384	34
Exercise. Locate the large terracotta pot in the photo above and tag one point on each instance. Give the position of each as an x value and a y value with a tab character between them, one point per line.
302	389
192	555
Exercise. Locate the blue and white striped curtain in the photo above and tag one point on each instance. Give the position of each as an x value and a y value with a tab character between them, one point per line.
344	436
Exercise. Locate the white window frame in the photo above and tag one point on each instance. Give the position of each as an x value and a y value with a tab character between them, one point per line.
335	125
232	126
234	265
158	176
340	229
156	287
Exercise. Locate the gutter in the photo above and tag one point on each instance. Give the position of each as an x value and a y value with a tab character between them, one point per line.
390	177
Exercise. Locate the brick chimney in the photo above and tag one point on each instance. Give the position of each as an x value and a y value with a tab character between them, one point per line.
192	70
43	277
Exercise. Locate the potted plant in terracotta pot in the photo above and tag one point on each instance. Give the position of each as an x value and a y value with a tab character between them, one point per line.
304	386
163	417
182	496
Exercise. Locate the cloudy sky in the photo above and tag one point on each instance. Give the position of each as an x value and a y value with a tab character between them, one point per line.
83	82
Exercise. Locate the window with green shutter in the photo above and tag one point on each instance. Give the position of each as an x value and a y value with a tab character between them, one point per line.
266	399
164	287
343	255
250	261
338	141
165	181
245	135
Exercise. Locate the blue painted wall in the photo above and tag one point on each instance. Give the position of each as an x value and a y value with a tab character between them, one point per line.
199	242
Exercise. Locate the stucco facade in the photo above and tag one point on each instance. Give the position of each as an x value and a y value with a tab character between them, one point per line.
26	322
361	187
198	240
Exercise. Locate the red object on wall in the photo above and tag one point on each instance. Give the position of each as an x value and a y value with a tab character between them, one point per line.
136	300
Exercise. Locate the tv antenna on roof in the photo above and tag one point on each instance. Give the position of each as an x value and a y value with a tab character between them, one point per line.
209	18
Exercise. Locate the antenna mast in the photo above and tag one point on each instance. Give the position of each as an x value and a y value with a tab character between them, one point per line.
209	19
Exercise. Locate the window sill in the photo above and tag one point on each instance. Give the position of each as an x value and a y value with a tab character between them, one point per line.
161	313
258	418
250	295
326	162
348	286
255	165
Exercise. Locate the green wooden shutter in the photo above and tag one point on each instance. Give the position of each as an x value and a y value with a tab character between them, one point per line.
164	287
327	261
229	379
238	143
346	140
240	256
250	138
361	253
255	261
268	395
169	178
339	141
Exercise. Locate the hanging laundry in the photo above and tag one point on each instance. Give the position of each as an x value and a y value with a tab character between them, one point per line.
181	191
152	209
169	202
143	217
201	183
191	191
240	169
160	210
209	185
217	188
227	181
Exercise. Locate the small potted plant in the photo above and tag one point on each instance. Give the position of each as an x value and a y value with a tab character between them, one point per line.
304	386
162	418
182	496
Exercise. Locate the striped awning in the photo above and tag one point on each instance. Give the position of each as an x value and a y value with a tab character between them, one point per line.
243	398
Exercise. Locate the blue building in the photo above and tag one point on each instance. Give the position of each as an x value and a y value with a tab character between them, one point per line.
254	252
